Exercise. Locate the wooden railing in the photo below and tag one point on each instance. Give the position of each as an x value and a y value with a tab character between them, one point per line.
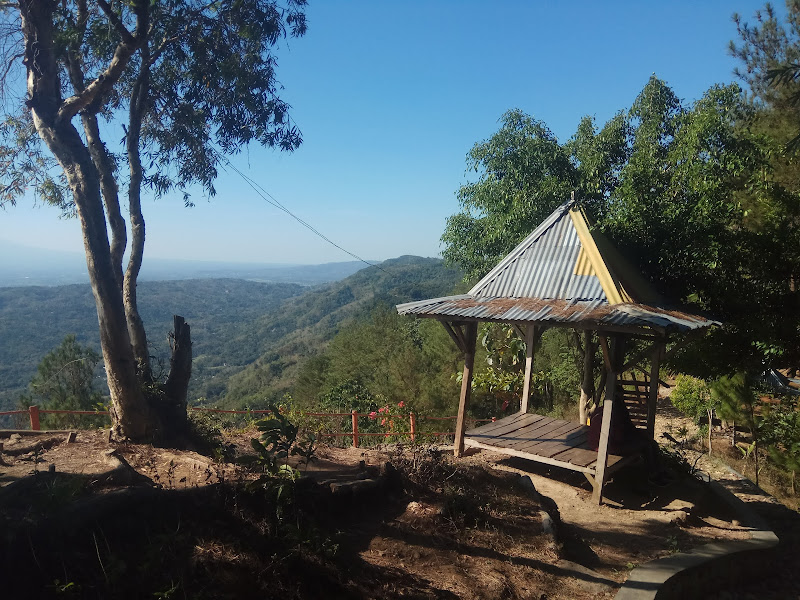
34	413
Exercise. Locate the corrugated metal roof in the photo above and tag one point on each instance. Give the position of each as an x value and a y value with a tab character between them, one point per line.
556	311
538	282
543	265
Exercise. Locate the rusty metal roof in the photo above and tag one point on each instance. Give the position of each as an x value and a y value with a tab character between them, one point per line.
559	275
579	314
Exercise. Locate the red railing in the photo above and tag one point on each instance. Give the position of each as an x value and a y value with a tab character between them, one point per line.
34	413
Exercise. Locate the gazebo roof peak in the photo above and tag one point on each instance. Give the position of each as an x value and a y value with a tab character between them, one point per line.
564	259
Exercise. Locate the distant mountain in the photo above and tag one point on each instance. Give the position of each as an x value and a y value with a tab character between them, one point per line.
248	337
24	266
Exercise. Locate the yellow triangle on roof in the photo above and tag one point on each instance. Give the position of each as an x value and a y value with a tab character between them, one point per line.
615	292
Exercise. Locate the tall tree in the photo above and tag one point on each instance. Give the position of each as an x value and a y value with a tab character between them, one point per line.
190	81
690	193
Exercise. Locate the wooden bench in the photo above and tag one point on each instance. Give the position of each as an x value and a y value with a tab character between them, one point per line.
542	439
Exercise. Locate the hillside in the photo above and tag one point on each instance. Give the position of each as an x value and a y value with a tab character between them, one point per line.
304	325
33	320
235	323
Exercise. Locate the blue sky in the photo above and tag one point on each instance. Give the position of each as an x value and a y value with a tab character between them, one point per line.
390	97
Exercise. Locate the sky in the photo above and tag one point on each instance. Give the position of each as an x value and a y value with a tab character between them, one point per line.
390	97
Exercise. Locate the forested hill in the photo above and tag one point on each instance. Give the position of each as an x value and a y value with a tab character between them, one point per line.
34	320
234	323
304	325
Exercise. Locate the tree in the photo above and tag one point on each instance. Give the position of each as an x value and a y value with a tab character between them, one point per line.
65	380
689	193
524	174
189	81
693	397
736	400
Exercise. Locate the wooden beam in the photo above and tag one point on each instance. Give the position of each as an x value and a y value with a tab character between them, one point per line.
457	338
466	385
612	360
640	355
655	365
645	333
530	342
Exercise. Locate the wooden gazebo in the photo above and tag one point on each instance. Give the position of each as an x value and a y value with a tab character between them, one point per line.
563	275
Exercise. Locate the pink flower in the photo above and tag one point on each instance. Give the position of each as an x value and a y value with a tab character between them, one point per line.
401	404
373	415
382	410
383	421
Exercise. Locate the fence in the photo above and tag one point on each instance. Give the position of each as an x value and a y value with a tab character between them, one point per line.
354	434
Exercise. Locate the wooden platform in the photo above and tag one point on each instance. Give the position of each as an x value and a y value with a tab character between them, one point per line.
542	439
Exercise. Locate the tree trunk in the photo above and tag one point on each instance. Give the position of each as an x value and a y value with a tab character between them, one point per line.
130	413
135	324
174	405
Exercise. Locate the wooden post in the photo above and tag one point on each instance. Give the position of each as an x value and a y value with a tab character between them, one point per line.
587	381
33	411
530	339
412	419
355	428
605	427
652	399
466	386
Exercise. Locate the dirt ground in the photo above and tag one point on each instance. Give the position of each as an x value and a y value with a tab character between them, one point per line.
453	529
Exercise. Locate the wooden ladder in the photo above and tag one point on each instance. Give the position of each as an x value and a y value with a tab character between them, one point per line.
635	394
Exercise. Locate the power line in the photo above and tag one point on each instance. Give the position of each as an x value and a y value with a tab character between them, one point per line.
270	199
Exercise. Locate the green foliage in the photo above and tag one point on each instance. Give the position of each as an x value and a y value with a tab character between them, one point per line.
221	312
781	437
278	442
523	174
382	360
300	332
692	396
692	194
203	78
735	399
65	380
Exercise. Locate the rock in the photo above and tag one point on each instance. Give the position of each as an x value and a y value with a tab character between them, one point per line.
679	518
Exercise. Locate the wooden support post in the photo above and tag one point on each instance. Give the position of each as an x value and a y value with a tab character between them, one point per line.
530	342
605	428
412	419
587	380
466	385
652	400
33	411
355	428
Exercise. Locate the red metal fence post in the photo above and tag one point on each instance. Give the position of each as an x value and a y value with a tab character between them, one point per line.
33	411
355	429
413	420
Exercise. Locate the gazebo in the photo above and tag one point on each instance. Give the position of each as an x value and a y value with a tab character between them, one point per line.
563	275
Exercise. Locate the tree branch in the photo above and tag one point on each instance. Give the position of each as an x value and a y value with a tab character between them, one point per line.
122	55
127	36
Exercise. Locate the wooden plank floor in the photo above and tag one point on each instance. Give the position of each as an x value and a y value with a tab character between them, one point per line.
541	439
